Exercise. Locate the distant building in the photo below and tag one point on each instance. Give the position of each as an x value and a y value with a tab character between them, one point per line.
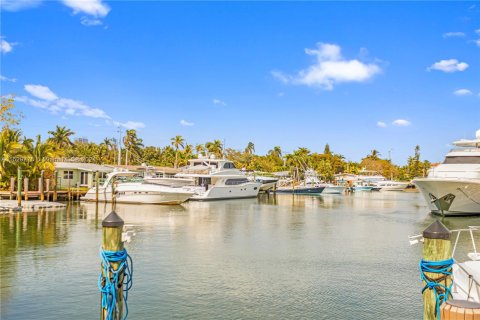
81	140
75	174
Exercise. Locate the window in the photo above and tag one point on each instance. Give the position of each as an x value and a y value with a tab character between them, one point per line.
228	165
462	160
234	182
68	175
83	178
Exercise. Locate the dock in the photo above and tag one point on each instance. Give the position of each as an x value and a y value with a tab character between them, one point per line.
7	206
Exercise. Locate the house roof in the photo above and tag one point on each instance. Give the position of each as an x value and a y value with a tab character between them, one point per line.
82	166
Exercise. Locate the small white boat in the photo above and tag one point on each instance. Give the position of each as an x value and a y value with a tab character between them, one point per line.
333	189
389	185
131	189
268	183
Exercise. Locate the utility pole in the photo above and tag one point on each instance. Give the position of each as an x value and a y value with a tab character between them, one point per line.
119	145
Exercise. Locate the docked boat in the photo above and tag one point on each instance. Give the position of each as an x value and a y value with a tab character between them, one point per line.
217	179
333	189
310	185
389	185
267	183
132	189
453	187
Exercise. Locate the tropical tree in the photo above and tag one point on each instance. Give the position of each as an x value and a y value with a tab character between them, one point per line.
61	137
10	148
199	148
40	156
177	142
215	147
133	146
250	149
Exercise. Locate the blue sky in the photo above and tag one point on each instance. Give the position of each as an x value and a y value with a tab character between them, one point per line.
359	76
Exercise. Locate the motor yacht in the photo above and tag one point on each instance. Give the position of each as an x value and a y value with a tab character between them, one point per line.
217	179
130	188
453	187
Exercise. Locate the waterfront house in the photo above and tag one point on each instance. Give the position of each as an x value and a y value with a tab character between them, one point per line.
73	174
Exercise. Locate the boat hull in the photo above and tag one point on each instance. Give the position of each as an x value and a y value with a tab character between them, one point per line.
301	190
451	196
333	190
226	192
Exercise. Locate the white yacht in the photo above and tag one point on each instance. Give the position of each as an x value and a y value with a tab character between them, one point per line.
390	185
132	189
453	187
217	179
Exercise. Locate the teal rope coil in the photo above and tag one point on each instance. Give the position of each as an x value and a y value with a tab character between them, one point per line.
442	292
108	280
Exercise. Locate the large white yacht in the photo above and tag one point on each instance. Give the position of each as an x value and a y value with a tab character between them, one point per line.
217	179
453	187
131	190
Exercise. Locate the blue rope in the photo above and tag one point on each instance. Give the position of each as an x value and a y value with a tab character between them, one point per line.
441	291
108	280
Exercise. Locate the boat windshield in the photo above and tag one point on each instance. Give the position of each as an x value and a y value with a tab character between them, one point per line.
462	160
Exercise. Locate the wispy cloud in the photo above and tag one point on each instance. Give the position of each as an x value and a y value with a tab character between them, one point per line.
401	123
186	123
3	78
88	22
41	92
381	124
95	8
219	102
453	35
451	65
17	5
329	69
5	46
462	92
48	100
130	125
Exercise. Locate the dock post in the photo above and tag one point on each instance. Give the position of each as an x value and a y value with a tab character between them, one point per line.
47	188
12	187
69	194
55	180
25	188
96	185
437	247
19	187
112	227
78	191
40	185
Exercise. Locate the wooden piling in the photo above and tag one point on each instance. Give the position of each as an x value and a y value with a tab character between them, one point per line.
19	187
437	246
25	188
47	188
97	180
40	185
112	227
55	181
12	187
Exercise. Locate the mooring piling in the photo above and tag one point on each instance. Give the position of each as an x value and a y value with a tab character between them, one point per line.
40	185
436	268
19	187
25	188
12	187
55	181
97	178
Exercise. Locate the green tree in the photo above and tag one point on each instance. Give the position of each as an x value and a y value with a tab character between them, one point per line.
61	137
215	148
133	146
177	142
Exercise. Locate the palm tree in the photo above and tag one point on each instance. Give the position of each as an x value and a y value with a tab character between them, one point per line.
61	137
10	147
133	145
250	149
40	154
199	148
215	148
177	142
374	154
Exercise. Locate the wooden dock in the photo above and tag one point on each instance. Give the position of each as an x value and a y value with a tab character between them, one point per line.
7	206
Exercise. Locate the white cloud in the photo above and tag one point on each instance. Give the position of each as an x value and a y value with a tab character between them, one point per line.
401	123
477	42
219	102
381	124
48	100
454	35
451	65
186	123
88	22
42	92
5	46
17	5
330	69
130	125
95	8
477	31
3	78
462	92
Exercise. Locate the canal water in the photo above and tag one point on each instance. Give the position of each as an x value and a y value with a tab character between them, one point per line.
276	257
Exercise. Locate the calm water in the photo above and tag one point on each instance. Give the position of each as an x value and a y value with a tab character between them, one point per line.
283	257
